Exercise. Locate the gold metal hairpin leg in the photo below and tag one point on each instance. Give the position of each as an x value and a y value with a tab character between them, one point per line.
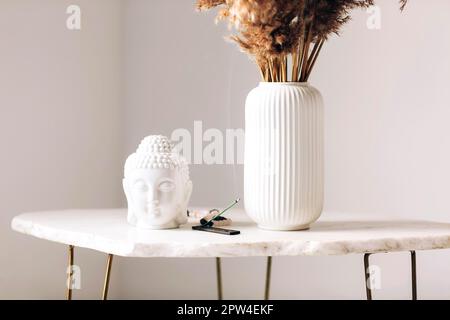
70	269
413	275
107	276
367	276
268	275
219	279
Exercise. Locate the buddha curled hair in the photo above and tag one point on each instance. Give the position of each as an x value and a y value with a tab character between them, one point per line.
156	152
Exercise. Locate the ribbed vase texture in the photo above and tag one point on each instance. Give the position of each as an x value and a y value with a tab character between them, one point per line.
284	164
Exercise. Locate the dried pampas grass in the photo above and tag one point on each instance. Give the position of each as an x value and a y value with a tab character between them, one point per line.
281	32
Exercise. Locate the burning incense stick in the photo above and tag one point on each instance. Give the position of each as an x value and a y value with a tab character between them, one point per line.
221	213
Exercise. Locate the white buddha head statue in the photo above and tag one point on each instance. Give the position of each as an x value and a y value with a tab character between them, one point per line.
157	185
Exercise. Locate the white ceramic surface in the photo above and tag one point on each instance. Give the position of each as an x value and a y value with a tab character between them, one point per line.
284	169
157	185
334	234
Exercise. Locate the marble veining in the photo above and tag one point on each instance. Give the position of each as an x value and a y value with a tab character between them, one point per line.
334	234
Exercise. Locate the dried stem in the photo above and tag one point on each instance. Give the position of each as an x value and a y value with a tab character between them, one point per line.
316	55
266	74
295	62
284	67
306	54
312	55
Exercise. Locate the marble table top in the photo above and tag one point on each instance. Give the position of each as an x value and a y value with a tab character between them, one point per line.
334	234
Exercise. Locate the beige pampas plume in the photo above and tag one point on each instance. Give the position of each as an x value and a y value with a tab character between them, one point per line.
209	4
275	32
403	4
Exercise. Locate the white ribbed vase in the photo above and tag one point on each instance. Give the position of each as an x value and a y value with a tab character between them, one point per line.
284	165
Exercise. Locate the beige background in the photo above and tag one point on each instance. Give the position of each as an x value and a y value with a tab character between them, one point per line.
60	133
73	104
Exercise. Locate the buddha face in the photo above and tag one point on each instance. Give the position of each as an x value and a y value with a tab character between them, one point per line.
156	198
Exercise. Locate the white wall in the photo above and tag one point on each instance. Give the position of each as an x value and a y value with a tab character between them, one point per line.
66	95
387	151
60	134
